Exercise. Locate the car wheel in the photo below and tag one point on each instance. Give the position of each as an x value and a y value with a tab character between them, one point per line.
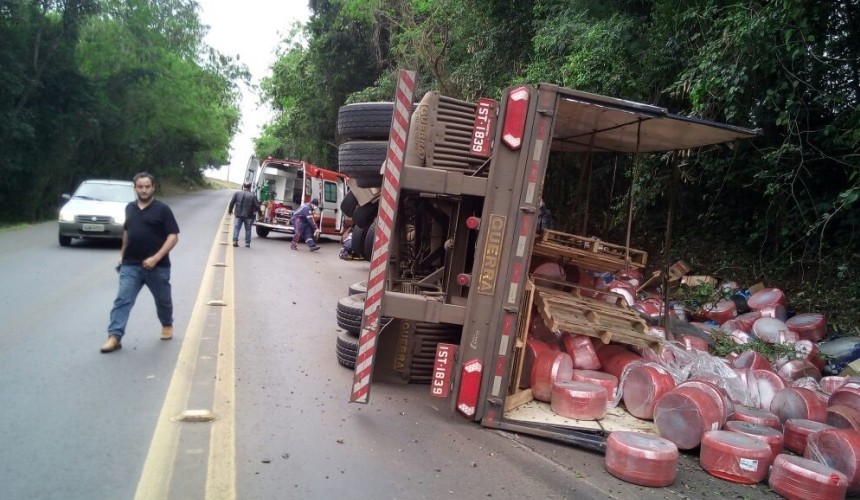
262	232
65	240
365	120
362	160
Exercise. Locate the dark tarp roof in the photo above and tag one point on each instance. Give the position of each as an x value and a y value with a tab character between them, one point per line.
614	123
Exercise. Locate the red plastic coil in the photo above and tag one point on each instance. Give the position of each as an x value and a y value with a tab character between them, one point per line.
848	395
843	417
808	326
722	311
756	416
767	435
581	351
766	297
797	369
719	396
641	459
752	360
642	387
734	457
691	342
772	330
746	320
579	400
605	380
798	478
632	276
683	414
809	351
831	383
774	311
550	368
533	348
838	449
797	402
797	431
767	384
615	358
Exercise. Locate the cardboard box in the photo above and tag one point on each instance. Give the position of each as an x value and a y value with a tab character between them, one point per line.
756	288
678	270
699	280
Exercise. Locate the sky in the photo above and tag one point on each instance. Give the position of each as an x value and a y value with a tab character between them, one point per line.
251	30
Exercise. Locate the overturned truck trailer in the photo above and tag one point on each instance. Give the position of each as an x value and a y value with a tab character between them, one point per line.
457	232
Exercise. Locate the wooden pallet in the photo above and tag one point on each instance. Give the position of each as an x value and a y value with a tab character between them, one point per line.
589	253
608	322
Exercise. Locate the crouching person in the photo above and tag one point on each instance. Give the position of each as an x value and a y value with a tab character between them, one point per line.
304	225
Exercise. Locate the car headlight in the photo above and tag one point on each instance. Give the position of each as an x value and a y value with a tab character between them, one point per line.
119	219
66	216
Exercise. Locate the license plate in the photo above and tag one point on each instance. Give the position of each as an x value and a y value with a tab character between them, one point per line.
93	227
442	370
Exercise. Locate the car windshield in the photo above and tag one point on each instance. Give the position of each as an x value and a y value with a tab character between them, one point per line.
100	191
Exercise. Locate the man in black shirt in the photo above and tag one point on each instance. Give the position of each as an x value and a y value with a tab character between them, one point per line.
246	205
149	233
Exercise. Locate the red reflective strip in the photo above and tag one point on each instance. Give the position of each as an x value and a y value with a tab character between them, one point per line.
516	275
379	265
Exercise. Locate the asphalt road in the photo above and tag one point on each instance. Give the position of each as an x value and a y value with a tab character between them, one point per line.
248	400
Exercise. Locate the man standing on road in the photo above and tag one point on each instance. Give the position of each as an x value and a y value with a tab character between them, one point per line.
149	233
304	226
246	205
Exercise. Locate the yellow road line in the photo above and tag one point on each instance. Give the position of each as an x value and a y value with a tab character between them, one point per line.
157	472
221	472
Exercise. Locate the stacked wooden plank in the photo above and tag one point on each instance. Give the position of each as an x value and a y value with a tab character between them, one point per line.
589	253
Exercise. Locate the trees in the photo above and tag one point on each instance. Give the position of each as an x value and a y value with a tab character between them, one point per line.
107	88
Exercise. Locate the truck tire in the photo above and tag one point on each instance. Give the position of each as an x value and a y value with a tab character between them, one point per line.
362	160
364	215
262	232
346	350
360	287
358	240
368	241
352	305
349	203
365	120
349	322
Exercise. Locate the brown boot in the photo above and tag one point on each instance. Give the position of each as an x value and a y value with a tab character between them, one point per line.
112	344
166	332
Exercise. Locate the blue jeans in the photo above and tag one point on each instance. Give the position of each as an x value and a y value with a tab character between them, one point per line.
247	222
132	277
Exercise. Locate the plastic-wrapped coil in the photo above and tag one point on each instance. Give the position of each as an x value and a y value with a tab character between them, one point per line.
797	431
831	383
808	326
721	311
797	402
579	400
615	358
808	350
533	348
753	360
848	395
756	416
683	414
771	330
734	457
766	297
838	449
632	276
767	435
605	380
642	386
641	459
745	321
550	368
797	369
843	417
581	351
719	396
774	311
691	342
798	478
767	384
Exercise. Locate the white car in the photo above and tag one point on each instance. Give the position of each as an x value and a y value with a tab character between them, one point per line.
95	210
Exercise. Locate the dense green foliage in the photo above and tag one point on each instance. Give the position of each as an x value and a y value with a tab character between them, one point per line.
781	208
107	88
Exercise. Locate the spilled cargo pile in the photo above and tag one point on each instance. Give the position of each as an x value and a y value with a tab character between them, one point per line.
757	391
